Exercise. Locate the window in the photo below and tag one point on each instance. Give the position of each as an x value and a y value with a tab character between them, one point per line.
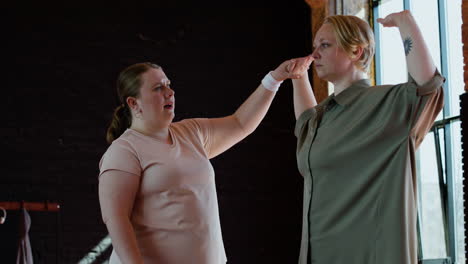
440	197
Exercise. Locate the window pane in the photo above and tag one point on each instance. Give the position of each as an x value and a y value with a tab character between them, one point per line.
393	70
455	88
458	191
393	63
430	203
455	53
426	13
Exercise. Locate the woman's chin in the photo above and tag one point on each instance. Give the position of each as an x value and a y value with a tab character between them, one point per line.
322	76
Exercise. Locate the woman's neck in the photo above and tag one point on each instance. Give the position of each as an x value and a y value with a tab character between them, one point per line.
157	132
346	80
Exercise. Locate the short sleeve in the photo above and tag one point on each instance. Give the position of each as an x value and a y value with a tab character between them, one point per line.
302	121
120	156
203	129
431	86
428	102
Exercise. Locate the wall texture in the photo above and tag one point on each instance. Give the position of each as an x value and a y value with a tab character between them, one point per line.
58	96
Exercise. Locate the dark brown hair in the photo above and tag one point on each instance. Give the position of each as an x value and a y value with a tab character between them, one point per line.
128	85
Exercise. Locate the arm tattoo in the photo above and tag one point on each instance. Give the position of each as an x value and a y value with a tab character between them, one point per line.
408	45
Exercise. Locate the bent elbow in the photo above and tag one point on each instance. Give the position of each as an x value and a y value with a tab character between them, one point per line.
245	128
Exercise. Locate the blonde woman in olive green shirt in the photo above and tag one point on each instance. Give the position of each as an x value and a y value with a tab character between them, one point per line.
356	149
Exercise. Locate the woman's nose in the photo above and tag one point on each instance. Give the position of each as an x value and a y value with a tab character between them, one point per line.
315	54
169	92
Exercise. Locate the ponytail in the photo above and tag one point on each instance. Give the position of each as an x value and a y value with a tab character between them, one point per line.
128	85
121	120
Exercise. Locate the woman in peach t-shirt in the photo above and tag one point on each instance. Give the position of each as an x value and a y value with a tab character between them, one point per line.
156	184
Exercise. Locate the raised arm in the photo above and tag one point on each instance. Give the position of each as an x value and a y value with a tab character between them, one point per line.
117	190
229	130
303	94
418	59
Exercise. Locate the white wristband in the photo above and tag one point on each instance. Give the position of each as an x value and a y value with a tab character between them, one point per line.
271	83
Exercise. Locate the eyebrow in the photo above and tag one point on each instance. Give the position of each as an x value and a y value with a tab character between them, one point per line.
319	41
161	83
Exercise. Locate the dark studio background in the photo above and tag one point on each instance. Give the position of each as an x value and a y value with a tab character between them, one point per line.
59	94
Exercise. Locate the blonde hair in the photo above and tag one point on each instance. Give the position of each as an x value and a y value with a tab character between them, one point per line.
352	32
128	85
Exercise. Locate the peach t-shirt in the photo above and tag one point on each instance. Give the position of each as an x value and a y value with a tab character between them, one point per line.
175	214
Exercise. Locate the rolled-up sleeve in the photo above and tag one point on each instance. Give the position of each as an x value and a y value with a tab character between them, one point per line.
428	102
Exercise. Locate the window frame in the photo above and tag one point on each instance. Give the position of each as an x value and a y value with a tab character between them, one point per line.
445	123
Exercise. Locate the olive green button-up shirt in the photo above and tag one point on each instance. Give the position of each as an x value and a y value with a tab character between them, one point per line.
356	152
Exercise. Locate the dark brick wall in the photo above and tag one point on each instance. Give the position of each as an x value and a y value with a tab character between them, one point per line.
62	62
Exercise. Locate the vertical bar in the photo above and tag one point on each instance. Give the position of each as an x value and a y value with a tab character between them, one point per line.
377	56
452	248
442	184
57	239
419	219
407	4
339	7
464	140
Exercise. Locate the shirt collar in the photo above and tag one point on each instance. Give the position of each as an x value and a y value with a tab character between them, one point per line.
349	94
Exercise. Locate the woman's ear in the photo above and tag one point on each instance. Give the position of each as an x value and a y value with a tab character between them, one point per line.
132	103
357	53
